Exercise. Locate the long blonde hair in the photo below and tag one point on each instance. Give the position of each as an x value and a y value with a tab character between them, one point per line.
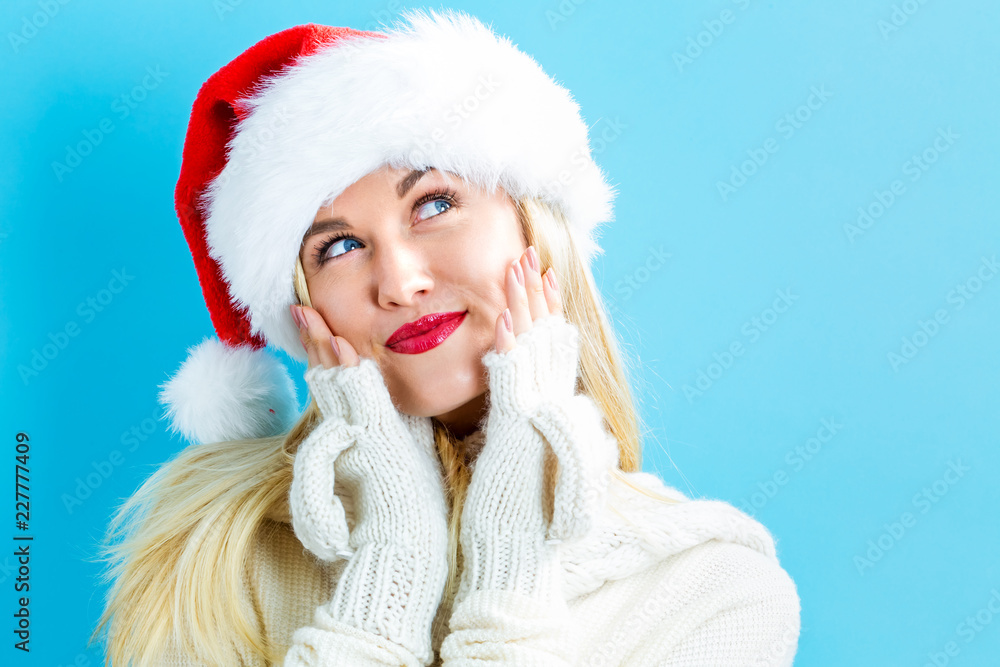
177	549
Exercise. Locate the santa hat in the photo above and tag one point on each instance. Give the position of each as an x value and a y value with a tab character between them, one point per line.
283	129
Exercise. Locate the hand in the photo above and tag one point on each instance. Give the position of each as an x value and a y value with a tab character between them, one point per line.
532	397
320	344
397	551
530	296
362	435
538	384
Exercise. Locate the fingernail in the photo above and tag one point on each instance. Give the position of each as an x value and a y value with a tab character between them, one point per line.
336	348
533	259
518	274
551	273
506	320
295	315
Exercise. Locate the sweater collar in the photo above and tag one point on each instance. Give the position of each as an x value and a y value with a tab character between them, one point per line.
636	532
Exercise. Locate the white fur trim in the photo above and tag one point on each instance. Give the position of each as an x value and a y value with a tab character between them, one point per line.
229	393
342	112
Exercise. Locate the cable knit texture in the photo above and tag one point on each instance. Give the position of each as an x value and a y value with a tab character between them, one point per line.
511	582
390	589
657	586
609	577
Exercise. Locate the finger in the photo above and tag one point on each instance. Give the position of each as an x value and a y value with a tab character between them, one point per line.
505	336
317	339
517	299
304	336
553	298
531	267
348	355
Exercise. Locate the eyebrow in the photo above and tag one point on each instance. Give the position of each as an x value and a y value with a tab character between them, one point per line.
337	224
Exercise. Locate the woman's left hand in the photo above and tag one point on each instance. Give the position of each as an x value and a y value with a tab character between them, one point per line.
530	296
510	602
508	537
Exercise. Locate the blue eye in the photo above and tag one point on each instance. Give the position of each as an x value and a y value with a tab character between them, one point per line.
322	251
437	206
439	201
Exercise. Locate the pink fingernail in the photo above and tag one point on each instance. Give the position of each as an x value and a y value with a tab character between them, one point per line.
518	274
336	348
533	260
551	273
506	320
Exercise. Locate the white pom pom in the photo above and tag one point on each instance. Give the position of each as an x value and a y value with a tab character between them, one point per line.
229	393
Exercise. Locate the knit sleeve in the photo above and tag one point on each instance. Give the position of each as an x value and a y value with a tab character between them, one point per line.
500	628
329	643
383	607
727	606
511	608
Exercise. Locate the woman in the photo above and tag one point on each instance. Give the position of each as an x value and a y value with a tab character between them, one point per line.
418	208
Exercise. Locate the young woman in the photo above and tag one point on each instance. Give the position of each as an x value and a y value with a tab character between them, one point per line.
412	214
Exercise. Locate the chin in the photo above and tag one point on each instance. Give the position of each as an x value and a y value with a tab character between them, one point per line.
444	410
441	384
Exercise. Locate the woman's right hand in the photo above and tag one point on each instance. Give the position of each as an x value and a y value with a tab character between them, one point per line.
318	340
386	458
397	562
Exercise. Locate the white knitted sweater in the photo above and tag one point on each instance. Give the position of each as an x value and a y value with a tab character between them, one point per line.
639	583
706	590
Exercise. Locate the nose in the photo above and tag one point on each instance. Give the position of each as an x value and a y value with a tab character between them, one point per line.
401	273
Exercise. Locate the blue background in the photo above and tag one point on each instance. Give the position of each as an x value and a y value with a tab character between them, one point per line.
752	432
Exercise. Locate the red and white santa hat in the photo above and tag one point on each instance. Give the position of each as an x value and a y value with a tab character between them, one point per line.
289	124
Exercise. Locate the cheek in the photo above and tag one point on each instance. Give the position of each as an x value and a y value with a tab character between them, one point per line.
341	316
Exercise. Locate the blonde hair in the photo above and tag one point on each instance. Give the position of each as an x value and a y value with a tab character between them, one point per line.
178	548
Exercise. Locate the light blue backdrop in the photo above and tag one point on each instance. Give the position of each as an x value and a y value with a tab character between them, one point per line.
804	261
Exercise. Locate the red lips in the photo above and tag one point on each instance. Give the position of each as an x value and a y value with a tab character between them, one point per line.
423	326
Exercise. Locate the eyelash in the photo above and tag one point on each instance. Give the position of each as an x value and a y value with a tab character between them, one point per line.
446	194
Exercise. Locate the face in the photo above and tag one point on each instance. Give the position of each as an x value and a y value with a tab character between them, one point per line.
403	245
